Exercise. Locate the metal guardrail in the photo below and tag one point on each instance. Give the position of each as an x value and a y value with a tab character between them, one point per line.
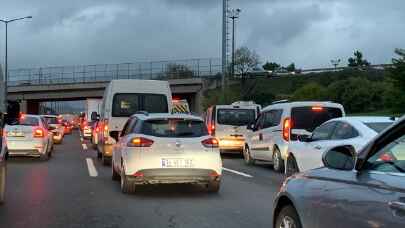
158	70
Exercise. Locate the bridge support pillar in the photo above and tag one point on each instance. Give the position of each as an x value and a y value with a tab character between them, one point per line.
23	106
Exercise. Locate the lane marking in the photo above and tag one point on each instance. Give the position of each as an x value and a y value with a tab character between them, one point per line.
84	146
237	172
92	169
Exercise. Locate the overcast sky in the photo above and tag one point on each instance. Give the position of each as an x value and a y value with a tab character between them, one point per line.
307	32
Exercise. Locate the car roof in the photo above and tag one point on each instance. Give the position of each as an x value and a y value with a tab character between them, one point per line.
286	105
31	115
366	119
167	115
50	116
238	106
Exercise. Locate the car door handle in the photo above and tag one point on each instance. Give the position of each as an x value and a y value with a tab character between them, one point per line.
397	206
318	147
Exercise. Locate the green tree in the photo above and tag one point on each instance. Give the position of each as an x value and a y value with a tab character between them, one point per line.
357	60
245	61
174	70
291	67
271	66
398	77
310	91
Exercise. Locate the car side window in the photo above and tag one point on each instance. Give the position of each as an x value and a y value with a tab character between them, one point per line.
390	159
344	131
132	125
272	118
125	129
323	132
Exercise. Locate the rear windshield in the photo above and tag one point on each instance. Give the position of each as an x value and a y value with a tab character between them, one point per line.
174	128
51	120
28	121
379	126
236	117
309	118
125	105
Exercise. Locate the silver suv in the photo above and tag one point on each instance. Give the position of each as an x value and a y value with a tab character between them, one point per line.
282	122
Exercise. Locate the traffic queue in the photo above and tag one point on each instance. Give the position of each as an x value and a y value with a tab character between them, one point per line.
142	136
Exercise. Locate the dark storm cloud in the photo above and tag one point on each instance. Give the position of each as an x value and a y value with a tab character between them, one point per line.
309	32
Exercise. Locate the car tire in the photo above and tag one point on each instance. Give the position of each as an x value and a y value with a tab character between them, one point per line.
127	186
99	155
114	175
2	183
292	166
214	186
248	157
288	217
278	163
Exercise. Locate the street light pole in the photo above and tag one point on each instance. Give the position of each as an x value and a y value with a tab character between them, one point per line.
234	14
5	78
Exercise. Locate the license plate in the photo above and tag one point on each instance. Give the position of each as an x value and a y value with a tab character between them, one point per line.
16	134
177	163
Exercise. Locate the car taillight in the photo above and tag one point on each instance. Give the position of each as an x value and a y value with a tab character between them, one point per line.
317	109
140	142
211	129
210	143
286	129
39	133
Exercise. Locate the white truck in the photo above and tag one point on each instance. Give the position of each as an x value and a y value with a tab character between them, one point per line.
92	105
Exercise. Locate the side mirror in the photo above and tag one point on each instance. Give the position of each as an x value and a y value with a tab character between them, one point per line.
304	138
94	116
340	158
250	127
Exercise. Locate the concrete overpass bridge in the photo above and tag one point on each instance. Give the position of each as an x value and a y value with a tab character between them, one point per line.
188	79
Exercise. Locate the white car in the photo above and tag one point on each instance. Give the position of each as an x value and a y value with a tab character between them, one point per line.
29	137
355	131
166	149
228	124
279	124
56	122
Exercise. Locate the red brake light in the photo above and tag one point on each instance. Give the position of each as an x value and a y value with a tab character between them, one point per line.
211	129
317	109
287	129
210	143
38	133
140	142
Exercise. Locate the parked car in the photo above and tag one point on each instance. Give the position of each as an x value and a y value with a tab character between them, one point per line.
365	189
58	129
306	153
228	124
29	137
166	149
123	98
281	123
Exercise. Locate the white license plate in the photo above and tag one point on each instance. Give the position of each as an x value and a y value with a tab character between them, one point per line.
177	163
15	134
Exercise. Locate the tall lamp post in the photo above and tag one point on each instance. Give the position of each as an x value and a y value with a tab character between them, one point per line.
6	22
335	62
233	14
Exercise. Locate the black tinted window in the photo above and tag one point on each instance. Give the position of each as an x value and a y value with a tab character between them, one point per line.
28	121
51	120
308	118
174	128
323	132
344	131
235	117
125	105
272	118
378	127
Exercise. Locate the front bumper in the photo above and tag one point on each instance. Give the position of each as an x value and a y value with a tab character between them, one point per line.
175	176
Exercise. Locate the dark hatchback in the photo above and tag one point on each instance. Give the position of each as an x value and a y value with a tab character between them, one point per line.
352	190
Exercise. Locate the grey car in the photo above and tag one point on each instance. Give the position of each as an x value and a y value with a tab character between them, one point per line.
352	190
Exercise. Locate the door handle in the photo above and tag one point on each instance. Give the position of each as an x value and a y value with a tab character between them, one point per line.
318	147
397	206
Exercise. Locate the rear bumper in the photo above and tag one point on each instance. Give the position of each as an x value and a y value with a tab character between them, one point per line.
229	145
175	176
26	148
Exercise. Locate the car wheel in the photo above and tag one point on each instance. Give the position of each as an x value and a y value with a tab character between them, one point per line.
3	171
99	155
278	163
127	186
288	217
115	176
292	166
247	157
214	186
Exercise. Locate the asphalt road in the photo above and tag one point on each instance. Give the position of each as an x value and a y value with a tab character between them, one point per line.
63	193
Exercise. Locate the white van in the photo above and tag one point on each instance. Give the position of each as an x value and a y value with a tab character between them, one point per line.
123	98
228	123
